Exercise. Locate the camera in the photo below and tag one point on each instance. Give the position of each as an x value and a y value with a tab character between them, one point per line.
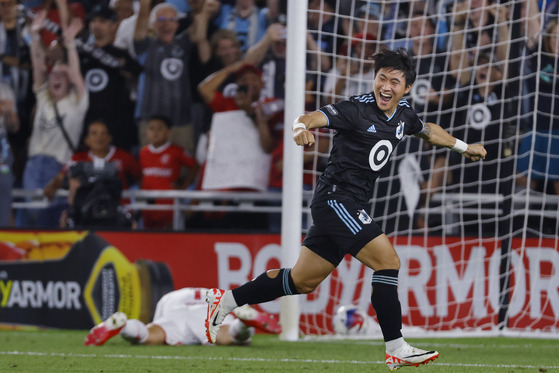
97	200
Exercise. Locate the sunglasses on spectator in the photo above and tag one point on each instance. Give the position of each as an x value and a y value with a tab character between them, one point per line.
163	19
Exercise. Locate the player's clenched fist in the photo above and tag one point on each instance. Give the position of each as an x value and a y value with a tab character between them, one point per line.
475	152
301	135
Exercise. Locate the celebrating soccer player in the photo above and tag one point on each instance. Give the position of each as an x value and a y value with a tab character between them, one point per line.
368	128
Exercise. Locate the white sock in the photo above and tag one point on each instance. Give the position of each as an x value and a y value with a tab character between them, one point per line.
393	345
240	332
229	301
135	331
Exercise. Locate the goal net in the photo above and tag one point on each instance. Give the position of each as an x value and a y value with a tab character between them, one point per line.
477	240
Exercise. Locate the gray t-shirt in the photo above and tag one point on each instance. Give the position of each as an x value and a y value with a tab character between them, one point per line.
164	87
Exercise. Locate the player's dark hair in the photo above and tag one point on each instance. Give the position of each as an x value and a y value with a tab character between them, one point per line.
398	59
163	118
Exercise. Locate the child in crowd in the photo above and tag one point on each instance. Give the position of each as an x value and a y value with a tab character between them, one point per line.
161	164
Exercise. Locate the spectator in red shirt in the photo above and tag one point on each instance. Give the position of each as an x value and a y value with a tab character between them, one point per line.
265	113
98	140
100	151
161	164
249	82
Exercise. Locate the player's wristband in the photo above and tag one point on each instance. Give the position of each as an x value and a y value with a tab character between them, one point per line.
460	146
298	127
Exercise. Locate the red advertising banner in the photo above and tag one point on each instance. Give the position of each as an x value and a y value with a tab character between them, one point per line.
450	284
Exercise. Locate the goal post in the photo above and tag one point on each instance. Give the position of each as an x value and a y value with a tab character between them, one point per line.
291	221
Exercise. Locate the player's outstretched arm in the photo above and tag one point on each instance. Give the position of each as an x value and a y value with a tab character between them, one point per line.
303	123
436	135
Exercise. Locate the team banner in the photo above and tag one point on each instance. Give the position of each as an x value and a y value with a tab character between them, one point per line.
444	284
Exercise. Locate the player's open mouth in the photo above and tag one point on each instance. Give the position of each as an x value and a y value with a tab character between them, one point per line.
384	98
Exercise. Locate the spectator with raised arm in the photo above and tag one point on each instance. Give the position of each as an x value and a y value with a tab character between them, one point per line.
325	31
249	82
200	24
9	123
109	74
478	26
353	74
432	96
246	20
542	87
484	108
62	101
252	114
269	55
123	9
15	70
164	85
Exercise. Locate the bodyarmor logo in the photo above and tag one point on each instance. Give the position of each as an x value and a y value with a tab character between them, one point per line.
35	294
400	130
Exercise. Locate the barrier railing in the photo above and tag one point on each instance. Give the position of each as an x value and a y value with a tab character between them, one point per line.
182	201
532	204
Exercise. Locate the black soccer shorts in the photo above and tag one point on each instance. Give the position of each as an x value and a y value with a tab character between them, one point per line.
340	227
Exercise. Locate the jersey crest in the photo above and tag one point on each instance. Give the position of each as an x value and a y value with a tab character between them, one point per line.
400	130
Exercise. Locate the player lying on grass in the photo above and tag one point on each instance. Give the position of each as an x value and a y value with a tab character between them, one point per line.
179	320
368	129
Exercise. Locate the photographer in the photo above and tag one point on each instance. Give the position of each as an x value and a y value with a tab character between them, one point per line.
113	169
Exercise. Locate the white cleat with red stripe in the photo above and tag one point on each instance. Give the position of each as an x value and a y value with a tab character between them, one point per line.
407	355
216	313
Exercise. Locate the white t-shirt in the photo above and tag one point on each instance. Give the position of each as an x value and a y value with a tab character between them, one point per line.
47	137
182	315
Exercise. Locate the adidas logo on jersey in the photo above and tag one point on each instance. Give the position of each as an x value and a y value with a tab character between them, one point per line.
372	129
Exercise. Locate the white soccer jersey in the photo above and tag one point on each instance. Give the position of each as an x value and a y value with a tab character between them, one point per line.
182	314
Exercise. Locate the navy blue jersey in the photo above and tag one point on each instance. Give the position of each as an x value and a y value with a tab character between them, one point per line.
363	142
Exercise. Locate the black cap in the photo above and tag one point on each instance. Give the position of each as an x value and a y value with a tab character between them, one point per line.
104	12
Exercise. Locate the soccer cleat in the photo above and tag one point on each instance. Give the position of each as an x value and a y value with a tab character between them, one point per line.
407	355
216	313
260	320
101	333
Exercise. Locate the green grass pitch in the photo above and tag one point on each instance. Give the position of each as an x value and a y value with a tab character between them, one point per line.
63	351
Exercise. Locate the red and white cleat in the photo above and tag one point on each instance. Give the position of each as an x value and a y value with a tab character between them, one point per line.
407	356
101	333
260	320
216	313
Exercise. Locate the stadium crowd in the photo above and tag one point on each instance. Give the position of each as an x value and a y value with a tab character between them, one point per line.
134	87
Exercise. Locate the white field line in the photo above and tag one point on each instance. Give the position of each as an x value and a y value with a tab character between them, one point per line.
310	361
